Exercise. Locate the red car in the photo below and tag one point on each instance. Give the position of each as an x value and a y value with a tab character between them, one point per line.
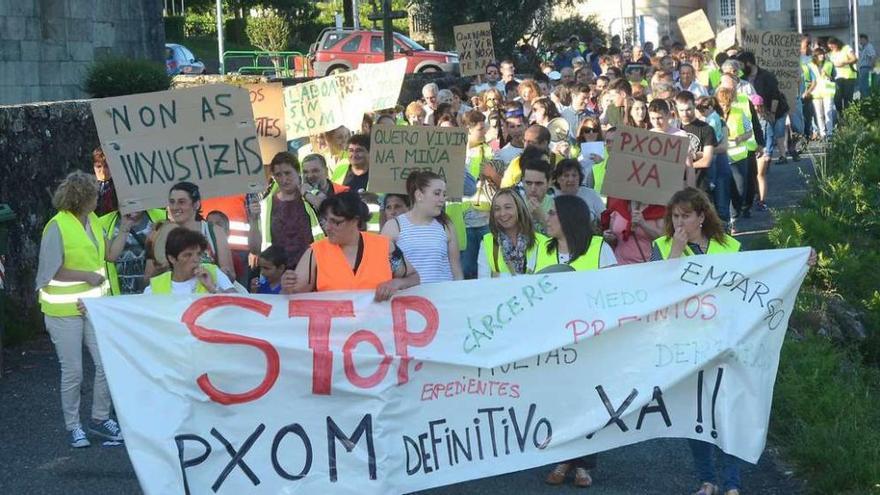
340	50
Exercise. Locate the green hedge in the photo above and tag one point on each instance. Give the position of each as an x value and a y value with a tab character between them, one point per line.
123	76
174	28
827	400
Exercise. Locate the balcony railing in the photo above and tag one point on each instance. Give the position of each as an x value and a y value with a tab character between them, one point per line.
823	18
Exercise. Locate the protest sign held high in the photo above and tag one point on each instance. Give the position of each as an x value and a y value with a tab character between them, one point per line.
695	28
645	166
726	38
205	135
324	393
779	53
267	102
473	42
396	152
326	103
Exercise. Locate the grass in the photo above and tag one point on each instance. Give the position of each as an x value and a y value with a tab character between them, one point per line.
826	416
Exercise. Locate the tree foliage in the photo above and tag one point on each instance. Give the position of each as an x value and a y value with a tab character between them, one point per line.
269	31
512	20
559	30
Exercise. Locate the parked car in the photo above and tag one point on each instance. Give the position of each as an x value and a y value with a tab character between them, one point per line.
180	60
339	50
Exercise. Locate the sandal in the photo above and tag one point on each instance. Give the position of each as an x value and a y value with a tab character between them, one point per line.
557	476
582	478
708	489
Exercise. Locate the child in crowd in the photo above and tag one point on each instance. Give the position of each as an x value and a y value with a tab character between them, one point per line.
272	266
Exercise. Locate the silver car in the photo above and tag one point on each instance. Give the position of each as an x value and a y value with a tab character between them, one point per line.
179	60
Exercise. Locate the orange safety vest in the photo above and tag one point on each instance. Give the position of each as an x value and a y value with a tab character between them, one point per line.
334	272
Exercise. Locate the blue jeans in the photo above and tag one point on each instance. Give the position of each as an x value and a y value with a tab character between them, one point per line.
865	81
705	456
469	255
721	176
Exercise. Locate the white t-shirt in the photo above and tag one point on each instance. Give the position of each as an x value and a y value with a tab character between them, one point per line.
189	287
508	153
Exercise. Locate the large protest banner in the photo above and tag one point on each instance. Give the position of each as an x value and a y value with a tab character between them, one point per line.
779	53
396	152
267	100
326	103
473	42
334	393
205	135
645	166
695	28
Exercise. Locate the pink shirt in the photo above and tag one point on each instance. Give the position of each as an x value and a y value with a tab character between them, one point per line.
637	247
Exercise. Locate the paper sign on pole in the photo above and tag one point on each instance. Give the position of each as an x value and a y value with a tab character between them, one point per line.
326	103
267	100
397	151
695	28
726	38
645	166
473	42
335	393
779	53
205	135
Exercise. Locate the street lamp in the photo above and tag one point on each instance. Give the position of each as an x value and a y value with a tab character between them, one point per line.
220	33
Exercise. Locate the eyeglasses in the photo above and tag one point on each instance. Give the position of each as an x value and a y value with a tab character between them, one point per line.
332	221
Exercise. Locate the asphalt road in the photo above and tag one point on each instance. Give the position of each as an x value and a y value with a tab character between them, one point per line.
35	458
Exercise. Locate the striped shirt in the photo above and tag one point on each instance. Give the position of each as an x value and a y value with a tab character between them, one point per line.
426	247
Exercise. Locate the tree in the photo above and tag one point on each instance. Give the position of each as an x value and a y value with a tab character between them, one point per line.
512	20
269	32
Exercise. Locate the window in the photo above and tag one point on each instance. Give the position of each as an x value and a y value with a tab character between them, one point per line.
821	12
728	12
332	39
772	6
352	44
866	2
377	45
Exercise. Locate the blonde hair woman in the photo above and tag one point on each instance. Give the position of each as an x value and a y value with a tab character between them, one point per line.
73	251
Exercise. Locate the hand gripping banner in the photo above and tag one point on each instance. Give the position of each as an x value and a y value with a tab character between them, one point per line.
334	393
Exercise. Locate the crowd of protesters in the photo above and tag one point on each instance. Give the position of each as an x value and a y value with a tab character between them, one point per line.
535	165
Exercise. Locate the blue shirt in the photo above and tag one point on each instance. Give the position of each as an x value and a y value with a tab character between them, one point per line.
265	288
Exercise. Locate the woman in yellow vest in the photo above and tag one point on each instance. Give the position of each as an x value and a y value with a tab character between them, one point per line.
72	255
348	258
284	218
572	243
692	227
846	74
127	254
823	94
188	275
739	132
511	246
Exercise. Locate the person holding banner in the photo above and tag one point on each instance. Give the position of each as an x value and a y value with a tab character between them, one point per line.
71	267
425	233
188	275
511	246
283	217
349	259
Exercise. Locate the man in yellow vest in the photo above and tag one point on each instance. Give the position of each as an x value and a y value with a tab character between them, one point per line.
536	136
72	256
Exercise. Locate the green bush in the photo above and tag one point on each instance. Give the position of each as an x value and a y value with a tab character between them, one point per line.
269	32
122	76
558	31
174	28
200	24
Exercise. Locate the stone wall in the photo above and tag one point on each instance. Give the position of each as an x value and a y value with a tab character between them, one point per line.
46	45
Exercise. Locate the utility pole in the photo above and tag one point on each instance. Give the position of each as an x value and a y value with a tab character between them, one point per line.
386	17
855	9
220	34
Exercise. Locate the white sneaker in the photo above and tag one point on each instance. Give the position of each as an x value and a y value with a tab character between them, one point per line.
78	438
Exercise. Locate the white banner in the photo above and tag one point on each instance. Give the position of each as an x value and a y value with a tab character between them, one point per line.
333	393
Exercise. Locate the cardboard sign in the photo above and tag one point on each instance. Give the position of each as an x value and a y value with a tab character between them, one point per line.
331	393
645	166
695	28
397	151
267	101
726	38
205	135
473	42
326	103
779	53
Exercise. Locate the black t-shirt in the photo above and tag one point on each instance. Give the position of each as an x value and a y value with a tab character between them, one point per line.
767	86
356	183
701	135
